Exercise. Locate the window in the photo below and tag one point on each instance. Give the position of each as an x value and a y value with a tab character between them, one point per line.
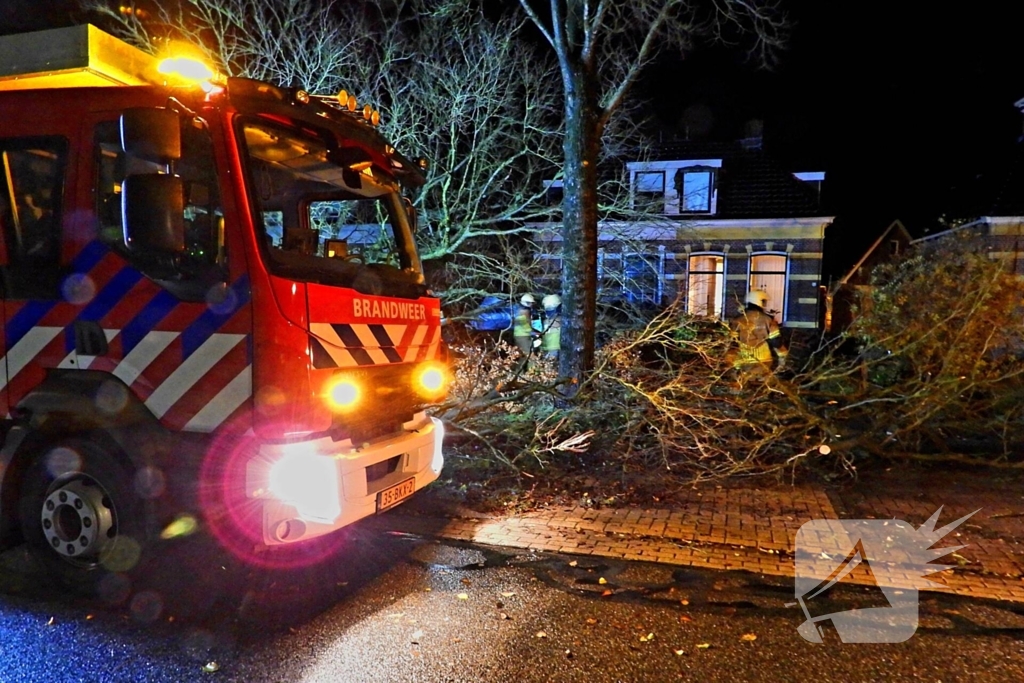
31	192
695	186
706	285
632	277
328	212
553	192
768	272
202	264
649	191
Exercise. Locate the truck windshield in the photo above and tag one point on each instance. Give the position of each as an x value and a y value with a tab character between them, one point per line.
324	212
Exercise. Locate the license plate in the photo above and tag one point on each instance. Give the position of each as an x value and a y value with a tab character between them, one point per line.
393	495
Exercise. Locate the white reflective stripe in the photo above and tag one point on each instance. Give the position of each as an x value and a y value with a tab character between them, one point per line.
326	332
151	346
395	333
27	348
223	404
414	345
73	360
434	343
191	371
341	356
370	344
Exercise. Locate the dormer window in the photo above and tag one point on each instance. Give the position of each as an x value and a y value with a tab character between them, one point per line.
650	191
675	188
695	185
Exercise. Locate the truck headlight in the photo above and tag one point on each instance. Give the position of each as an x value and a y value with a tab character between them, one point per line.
431	380
343	393
308	482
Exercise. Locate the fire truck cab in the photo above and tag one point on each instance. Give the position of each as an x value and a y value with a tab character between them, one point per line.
212	310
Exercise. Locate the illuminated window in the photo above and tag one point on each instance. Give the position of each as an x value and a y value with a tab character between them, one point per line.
768	272
706	285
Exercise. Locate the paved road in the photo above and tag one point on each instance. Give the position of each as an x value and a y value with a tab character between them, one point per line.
402	608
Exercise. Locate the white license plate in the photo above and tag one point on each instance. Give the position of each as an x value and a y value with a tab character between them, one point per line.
394	495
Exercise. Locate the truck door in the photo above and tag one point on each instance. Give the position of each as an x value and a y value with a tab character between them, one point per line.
32	172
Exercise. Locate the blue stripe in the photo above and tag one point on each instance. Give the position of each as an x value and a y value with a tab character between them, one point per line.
209	322
33	311
90	255
24	320
148	318
110	295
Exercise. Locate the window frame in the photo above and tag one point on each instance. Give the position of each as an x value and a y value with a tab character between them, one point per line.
656	199
720	297
780	315
28	276
681	187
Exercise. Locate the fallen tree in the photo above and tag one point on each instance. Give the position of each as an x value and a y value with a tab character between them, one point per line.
930	369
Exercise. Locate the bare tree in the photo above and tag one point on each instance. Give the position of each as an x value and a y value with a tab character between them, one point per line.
602	46
453	86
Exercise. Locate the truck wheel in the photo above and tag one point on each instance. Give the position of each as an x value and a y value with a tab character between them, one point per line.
81	518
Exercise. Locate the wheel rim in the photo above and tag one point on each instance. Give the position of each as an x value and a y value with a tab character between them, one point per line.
79	520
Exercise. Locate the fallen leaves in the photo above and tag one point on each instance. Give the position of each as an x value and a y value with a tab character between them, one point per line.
748	637
648	638
541	634
703	646
463	596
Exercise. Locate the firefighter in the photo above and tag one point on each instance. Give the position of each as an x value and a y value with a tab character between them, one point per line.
552	338
757	340
522	327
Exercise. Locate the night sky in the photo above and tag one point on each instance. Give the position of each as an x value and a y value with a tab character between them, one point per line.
901	103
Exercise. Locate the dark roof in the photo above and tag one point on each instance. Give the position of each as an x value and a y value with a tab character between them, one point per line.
750	183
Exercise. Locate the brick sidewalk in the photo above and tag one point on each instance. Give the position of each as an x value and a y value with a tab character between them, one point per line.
740	529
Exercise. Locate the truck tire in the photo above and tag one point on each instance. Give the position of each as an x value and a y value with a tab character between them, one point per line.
81	518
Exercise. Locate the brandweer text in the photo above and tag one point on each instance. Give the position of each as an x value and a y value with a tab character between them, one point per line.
371	308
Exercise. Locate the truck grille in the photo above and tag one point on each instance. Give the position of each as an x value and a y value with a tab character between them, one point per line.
388	401
378	471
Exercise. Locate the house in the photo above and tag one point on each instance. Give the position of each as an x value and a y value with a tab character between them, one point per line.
848	292
719	220
993	210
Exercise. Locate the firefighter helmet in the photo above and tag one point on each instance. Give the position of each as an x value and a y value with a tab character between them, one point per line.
551	302
757	297
527	300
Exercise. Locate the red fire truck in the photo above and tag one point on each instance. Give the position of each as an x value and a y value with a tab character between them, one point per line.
213	310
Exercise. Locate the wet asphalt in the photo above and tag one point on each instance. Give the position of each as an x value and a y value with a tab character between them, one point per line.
404	608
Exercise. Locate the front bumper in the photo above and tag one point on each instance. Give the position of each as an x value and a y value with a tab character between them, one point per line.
311	488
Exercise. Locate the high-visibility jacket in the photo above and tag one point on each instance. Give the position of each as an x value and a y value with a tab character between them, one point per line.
523	325
752	330
553	334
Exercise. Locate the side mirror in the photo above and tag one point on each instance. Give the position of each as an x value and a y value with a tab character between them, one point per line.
153	213
152	134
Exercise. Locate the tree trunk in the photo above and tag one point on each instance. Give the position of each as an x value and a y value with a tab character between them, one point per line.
579	231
